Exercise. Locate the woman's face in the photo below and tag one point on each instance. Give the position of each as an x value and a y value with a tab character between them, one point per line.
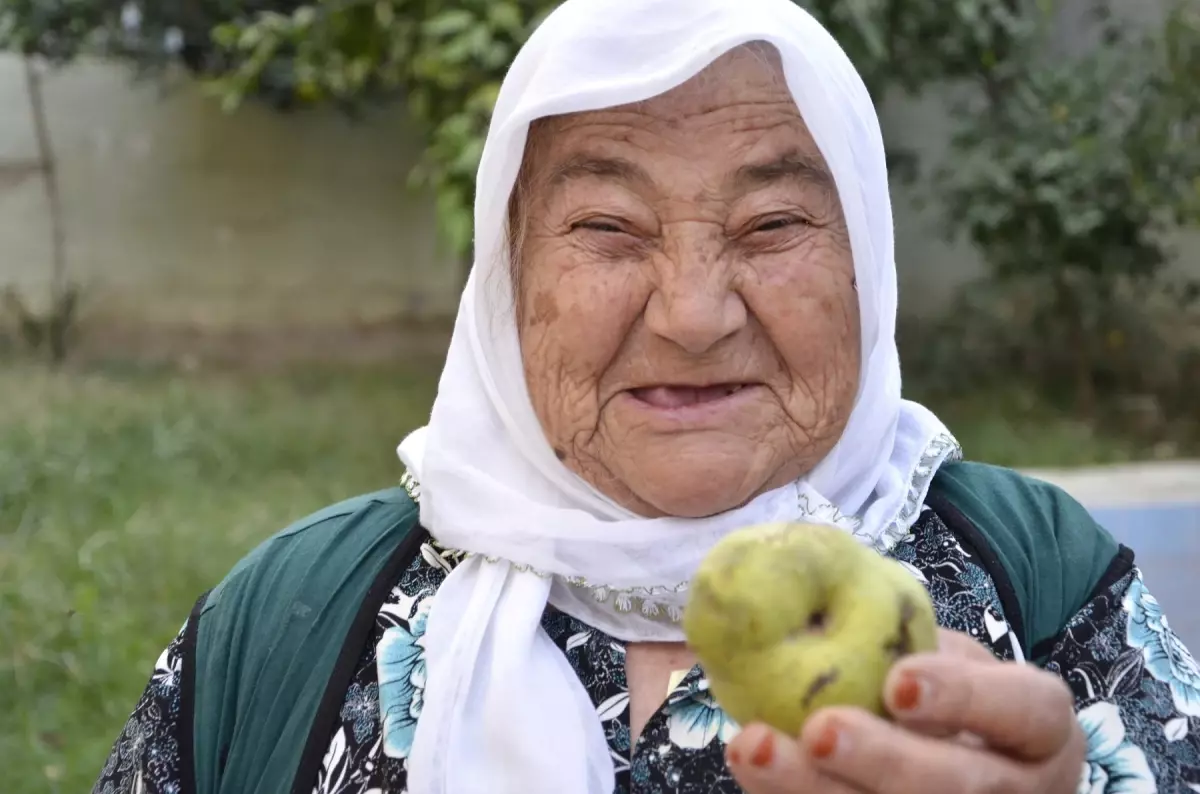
688	319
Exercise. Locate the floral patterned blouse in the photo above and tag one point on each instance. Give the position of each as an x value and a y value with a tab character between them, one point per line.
1137	689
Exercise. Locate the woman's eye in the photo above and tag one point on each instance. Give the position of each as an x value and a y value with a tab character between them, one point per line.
599	225
775	224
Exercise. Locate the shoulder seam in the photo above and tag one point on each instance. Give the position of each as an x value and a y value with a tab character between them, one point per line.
348	507
1120	566
354	507
958	523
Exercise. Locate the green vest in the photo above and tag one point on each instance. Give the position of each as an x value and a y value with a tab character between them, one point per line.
275	637
275	643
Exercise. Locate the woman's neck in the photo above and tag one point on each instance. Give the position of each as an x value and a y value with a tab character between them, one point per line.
648	669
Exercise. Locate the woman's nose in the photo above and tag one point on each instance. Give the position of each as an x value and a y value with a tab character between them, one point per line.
695	305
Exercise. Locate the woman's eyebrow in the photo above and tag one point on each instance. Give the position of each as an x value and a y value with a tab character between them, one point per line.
585	165
794	165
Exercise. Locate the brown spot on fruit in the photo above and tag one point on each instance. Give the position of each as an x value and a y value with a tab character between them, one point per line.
819	684
902	643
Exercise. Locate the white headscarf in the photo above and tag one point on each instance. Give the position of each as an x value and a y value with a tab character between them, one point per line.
503	710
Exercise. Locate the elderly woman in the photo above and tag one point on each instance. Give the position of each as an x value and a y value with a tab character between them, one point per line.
680	322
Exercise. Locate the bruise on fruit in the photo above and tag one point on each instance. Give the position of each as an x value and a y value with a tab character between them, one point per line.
818	685
902	644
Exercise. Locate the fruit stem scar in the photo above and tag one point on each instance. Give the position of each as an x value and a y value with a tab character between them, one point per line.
816	624
819	683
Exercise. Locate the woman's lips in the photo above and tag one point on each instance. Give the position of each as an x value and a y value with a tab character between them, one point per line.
672	397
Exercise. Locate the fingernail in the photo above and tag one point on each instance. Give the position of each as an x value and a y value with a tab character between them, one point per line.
732	756
826	743
764	753
906	696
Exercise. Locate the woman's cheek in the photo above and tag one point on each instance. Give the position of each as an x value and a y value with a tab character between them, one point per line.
561	378
806	299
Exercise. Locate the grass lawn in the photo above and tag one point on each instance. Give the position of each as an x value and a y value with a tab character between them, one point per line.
123	497
124	494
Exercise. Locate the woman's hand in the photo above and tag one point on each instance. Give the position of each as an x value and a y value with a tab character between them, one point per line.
964	722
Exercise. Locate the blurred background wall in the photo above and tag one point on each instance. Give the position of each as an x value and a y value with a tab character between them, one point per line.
177	213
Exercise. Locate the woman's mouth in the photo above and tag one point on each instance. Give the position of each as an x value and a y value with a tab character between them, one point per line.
674	397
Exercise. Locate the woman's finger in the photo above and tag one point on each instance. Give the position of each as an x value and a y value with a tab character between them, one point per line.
956	643
961	645
871	754
1015	709
765	761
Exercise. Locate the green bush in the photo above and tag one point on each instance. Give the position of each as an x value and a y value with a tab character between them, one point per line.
1070	181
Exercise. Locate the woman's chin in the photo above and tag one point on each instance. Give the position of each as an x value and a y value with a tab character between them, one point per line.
685	492
692	475
695	508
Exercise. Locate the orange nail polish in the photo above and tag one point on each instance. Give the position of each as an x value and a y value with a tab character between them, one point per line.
732	756
765	752
907	694
826	743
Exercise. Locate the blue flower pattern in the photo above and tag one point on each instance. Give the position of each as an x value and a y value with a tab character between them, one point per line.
1114	765
1138	738
1136	690
401	665
694	719
1164	654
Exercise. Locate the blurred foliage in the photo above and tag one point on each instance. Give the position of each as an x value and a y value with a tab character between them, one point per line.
1001	337
152	34
1069	182
446	60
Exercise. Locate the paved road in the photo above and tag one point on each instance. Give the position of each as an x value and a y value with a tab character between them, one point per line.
1166	542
